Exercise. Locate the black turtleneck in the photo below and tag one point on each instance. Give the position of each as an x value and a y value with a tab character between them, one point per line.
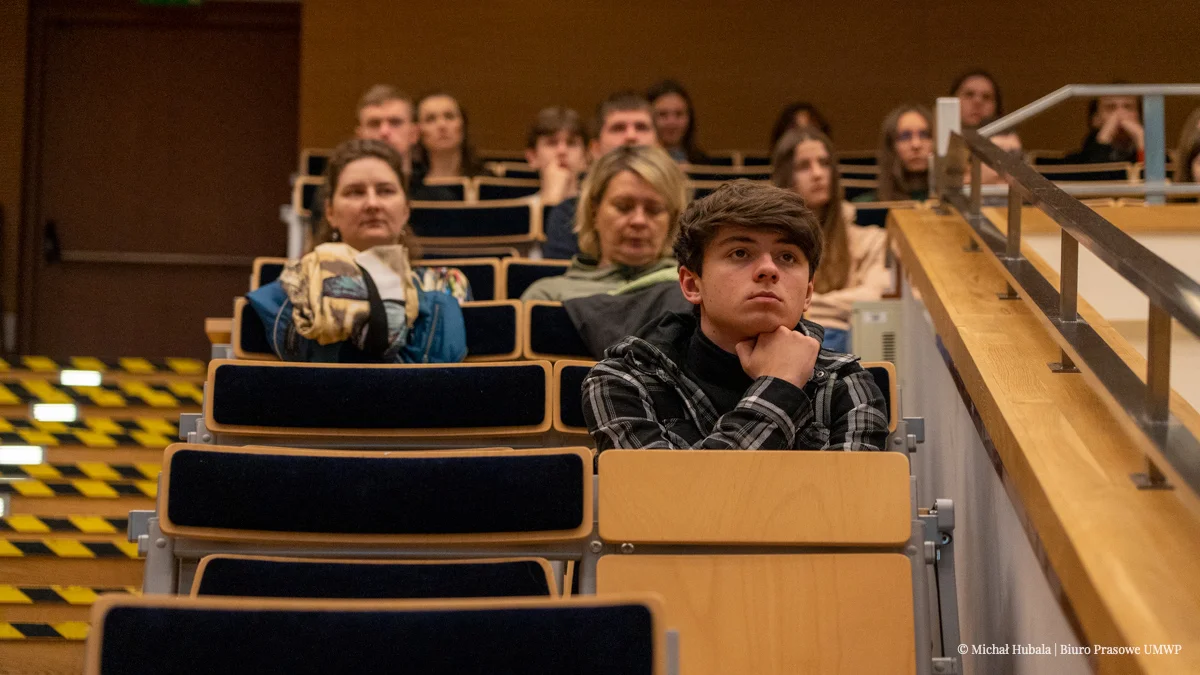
718	373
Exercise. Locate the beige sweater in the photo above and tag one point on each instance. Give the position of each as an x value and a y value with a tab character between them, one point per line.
868	280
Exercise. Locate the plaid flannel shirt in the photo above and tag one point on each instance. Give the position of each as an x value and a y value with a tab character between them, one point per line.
638	397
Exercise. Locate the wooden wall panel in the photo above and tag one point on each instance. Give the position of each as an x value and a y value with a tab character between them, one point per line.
14	20
741	60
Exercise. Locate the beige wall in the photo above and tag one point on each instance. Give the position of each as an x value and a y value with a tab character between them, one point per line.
14	18
741	60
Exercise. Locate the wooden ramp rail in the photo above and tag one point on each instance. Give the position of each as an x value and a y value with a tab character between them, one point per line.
1127	561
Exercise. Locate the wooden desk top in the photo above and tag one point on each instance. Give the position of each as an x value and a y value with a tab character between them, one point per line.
1128	560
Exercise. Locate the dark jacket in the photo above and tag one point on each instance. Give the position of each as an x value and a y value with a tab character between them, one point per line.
1095	152
604	320
561	242
639	397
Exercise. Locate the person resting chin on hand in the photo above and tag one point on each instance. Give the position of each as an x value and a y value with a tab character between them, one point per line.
743	370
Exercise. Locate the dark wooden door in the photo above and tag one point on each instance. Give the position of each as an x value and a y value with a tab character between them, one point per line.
164	142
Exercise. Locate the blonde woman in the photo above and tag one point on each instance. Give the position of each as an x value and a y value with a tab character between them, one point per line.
852	257
627	219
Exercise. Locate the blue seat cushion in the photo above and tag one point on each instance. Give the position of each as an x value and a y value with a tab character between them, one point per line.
376	495
372	397
305	579
551	332
520	277
491	330
470	222
551	638
570	398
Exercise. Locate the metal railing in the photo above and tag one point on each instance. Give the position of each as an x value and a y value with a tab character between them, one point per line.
1171	293
1154	140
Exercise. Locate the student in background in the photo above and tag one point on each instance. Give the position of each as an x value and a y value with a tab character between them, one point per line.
794	115
1116	132
555	147
387	114
624	118
675	121
743	370
1009	141
905	144
628	216
978	96
322	308
852	257
444	148
1185	171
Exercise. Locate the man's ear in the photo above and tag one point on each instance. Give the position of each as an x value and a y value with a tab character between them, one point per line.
531	158
594	150
414	135
690	285
808	293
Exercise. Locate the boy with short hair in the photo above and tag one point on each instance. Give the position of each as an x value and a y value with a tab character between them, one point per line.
557	147
743	370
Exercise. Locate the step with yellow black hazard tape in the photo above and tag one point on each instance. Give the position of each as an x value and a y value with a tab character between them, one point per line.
61	547
59	595
90	489
92	470
30	390
25	524
91	432
64	630
131	365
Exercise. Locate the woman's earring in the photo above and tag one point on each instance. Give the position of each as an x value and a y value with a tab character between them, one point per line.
337	235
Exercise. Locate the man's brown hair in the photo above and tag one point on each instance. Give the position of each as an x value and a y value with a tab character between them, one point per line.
382	93
552	120
748	204
621	101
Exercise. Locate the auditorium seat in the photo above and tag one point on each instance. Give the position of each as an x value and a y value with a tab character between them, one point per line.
313	161
390	405
520	273
875	213
304	195
441	253
622	635
498	222
482	273
1109	171
265	270
724	158
568	397
447	188
513	170
861	157
285	577
768	562
461	504
884	373
852	188
489	188
696	172
493	331
549	333
859	171
514	156
756	159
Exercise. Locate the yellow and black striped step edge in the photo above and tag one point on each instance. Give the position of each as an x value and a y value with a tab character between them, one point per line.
91	489
22	524
121	395
59	595
66	630
92	470
91	432
56	547
131	365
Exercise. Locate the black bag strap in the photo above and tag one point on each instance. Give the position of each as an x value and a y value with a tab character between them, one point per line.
377	325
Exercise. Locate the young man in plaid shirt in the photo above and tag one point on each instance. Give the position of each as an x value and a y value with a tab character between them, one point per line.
743	370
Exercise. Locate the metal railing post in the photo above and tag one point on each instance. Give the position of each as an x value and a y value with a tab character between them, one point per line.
1154	142
1012	249
1068	296
1158	388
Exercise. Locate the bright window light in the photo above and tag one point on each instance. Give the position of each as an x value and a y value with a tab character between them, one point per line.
80	378
55	412
21	454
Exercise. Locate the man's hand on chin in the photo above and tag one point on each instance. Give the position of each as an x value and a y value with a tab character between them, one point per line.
783	353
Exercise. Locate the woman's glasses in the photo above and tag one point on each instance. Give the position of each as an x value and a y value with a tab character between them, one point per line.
906	136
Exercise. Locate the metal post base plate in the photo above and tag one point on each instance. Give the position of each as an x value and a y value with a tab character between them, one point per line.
1144	482
1058	367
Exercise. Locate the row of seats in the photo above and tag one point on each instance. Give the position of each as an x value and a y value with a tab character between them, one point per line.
443	405
519	222
769	562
